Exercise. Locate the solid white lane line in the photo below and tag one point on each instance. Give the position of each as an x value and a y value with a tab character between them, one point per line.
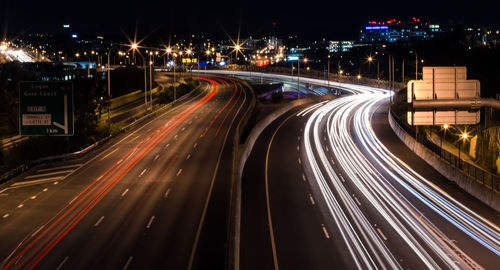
188	157
142	173
167	192
312	199
128	263
150	222
125	192
62	263
381	234
179	172
325	231
37	231
99	221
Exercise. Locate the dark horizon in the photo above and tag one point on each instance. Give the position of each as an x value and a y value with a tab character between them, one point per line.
314	21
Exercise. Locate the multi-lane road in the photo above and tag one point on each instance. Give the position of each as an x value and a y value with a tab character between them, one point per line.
156	197
321	191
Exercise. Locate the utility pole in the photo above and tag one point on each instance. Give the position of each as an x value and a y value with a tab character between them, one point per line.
298	78
151	82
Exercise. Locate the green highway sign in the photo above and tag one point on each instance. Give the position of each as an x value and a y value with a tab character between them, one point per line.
46	108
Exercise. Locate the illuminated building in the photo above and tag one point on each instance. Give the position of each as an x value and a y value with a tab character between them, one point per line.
398	31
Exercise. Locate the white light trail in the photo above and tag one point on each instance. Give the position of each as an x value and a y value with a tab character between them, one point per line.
429	245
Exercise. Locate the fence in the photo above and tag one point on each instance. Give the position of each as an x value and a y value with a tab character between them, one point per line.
487	179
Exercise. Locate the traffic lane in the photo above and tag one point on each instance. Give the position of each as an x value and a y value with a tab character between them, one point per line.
424	211
367	224
299	236
64	196
471	247
212	244
139	221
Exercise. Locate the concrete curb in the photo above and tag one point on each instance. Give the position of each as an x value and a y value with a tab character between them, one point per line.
22	168
468	184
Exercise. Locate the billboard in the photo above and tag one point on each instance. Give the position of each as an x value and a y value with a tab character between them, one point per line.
434	117
443	83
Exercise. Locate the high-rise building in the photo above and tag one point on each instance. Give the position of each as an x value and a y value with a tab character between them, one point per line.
398	31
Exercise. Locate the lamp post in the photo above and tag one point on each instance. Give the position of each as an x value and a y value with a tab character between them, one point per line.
445	127
109	90
416	65
463	137
135	47
328	74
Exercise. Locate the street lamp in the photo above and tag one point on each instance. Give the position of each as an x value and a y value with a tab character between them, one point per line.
298	76
135	47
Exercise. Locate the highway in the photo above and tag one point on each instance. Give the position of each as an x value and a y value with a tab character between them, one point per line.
321	191
155	197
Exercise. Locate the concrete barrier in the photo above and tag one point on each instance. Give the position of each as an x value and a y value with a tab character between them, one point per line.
468	184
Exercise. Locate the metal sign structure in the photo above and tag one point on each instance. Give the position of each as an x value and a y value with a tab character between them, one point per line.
46	109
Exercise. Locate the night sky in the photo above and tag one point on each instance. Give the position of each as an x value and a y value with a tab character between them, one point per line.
309	19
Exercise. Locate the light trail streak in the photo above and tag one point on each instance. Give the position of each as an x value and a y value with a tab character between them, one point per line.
29	253
429	245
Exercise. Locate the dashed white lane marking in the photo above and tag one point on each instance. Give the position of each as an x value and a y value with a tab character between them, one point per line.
150	222
341	178
127	264
312	199
5	216
300	161
124	193
298	148
33	197
324	138
55	183
167	192
175	137
157	157
37	231
45	189
179	172
327	149
99	221
195	144
47	174
62	263
188	157
303	177
357	201
166	146
20	206
74	199
325	231
183	128
298	138
381	234
333	162
190	122
143	172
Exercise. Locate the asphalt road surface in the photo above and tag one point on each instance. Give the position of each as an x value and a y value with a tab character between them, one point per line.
156	197
322	191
